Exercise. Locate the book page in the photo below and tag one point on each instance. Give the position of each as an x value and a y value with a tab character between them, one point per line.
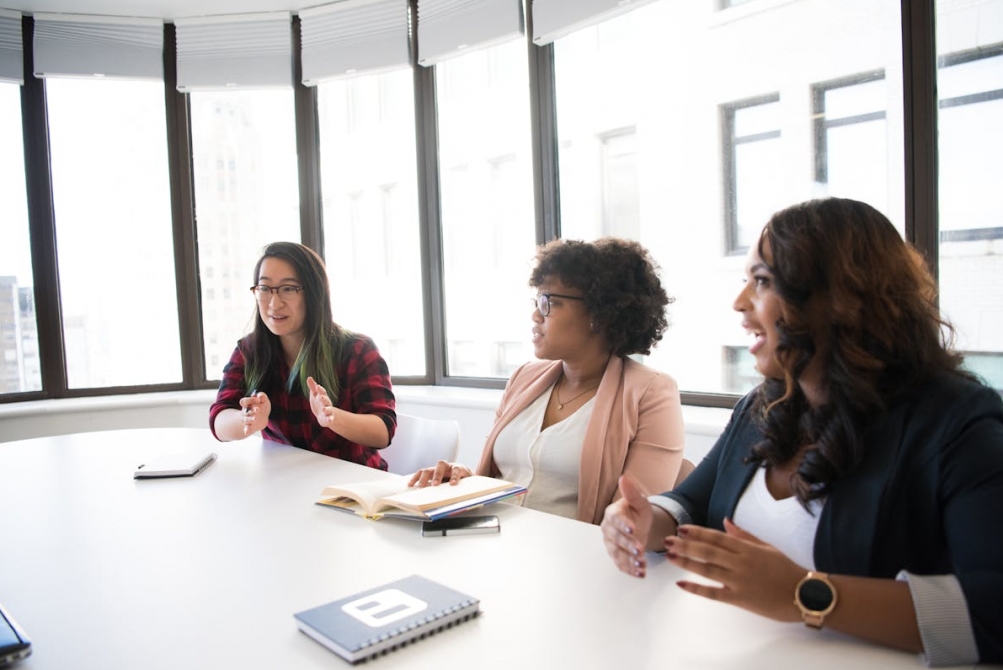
429	497
367	493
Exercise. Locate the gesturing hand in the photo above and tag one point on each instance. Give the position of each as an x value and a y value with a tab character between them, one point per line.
753	575
625	527
320	403
256	409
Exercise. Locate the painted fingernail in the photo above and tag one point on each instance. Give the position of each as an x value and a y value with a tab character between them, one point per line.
683	530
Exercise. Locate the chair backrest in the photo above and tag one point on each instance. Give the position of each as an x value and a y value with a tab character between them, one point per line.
685	468
420	442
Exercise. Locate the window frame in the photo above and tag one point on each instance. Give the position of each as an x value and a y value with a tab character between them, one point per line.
919	61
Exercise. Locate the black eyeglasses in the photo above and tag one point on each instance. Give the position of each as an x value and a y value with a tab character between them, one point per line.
542	301
286	292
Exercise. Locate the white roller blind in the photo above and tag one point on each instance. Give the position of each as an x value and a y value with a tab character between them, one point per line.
353	37
235	51
553	19
447	28
11	56
79	45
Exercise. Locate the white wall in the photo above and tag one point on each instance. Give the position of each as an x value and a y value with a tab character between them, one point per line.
472	408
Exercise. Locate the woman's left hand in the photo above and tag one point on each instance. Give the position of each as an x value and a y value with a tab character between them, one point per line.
320	403
752	574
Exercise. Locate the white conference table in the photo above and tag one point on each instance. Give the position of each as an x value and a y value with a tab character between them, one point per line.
103	571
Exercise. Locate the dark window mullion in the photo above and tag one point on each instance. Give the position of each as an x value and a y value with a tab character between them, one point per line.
543	128
307	152
42	224
186	269
429	210
919	90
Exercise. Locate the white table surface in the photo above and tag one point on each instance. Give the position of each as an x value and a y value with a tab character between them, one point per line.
104	571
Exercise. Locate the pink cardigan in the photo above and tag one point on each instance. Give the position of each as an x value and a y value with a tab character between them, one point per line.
636	428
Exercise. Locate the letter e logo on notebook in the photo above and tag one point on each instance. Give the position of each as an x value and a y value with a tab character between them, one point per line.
384	607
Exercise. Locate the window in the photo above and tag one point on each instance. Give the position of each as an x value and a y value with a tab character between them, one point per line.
851	139
970	143
246	196
369	184
485	157
20	369
753	160
698	126
112	206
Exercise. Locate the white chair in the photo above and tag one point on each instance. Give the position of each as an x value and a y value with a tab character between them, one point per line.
420	442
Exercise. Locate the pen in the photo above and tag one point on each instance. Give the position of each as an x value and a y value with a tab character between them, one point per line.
253	392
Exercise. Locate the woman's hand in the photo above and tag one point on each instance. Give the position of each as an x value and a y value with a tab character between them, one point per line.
440	472
752	574
255	410
320	403
625	526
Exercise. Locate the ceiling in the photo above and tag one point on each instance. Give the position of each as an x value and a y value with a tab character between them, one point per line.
162	9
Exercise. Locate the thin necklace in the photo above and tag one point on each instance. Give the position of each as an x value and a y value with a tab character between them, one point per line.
557	394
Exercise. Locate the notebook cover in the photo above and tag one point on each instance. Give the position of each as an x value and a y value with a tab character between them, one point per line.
384	618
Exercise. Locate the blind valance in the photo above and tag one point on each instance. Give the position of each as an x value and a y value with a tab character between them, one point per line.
447	28
234	51
79	45
11	53
353	37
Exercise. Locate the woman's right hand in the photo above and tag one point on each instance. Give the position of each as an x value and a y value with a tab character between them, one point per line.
255	409
440	472
625	526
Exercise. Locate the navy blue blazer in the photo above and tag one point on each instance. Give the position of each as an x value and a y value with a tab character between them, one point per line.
927	498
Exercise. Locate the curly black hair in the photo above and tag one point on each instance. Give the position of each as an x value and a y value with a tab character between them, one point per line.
619	279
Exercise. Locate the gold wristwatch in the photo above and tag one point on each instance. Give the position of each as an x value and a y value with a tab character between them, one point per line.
815	596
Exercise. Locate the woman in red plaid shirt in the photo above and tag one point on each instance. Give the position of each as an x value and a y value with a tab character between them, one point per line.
299	377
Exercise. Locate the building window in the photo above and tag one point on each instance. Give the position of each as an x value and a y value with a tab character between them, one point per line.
851	143
752	166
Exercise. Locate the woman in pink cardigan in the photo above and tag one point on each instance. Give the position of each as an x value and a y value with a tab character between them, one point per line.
571	423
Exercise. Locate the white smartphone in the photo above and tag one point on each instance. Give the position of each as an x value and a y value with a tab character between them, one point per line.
460	525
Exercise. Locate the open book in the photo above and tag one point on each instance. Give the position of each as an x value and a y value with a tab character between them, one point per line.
391	496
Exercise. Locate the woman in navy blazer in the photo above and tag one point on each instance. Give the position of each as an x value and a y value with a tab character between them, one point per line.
867	466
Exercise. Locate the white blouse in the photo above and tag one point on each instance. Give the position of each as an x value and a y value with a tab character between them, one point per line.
546	462
785	523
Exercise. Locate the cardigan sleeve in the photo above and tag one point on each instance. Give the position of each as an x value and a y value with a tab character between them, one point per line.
656	450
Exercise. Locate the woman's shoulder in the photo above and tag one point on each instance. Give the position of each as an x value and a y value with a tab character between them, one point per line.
635	373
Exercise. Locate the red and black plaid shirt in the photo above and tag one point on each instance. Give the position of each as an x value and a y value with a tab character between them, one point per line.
365	389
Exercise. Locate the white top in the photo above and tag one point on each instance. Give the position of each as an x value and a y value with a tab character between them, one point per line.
546	462
785	523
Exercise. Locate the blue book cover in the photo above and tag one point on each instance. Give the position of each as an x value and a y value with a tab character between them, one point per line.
377	621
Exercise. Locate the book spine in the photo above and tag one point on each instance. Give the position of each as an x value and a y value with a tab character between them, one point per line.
418	629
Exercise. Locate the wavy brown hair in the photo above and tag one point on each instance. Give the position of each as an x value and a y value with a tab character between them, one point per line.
862	299
619	279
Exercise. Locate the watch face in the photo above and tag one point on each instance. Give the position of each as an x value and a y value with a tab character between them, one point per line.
815	595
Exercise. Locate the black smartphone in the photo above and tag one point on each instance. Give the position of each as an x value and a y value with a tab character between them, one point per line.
14	644
460	525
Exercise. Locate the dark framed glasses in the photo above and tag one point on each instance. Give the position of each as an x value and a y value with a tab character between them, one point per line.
286	292
542	301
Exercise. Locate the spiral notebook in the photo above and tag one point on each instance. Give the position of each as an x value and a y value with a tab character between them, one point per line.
382	619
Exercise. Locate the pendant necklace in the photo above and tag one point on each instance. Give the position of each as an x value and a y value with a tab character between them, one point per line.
557	394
